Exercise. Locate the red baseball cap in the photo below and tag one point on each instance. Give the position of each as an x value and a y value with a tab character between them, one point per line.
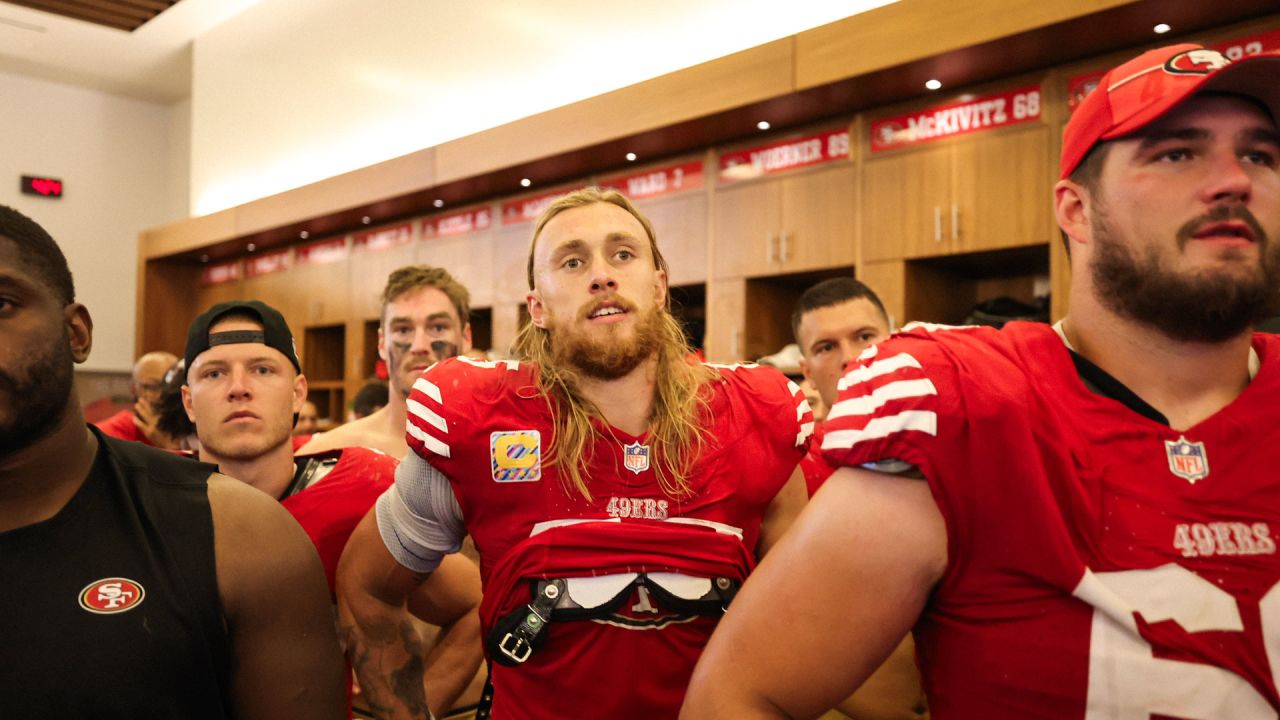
1133	95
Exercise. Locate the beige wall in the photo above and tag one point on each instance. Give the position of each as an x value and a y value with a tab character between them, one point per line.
124	164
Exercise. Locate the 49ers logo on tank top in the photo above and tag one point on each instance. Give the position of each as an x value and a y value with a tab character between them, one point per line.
111	595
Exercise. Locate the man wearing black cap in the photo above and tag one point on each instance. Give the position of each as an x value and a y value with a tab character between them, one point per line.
1088	528
244	387
136	584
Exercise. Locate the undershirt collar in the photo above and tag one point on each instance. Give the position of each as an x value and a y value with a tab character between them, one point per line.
1100	382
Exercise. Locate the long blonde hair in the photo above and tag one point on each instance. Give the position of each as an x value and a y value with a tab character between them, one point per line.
677	433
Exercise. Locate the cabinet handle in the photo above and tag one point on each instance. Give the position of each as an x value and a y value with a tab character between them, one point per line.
955	222
937	223
772	250
735	346
786	247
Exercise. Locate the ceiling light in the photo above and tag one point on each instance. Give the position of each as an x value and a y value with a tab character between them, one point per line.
933	84
763	125
1162	28
631	157
366	220
525	182
438	203
304	234
251	247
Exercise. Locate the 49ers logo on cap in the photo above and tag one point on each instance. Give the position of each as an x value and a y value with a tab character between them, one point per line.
1196	62
111	595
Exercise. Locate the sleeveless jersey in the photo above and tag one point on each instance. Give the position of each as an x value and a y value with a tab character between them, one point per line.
113	609
485	427
1100	563
339	487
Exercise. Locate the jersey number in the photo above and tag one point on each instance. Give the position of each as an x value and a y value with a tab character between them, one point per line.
1127	682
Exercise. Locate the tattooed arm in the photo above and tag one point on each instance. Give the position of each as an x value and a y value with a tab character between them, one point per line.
450	599
381	641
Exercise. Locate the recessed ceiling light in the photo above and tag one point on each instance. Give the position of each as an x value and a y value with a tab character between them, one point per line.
304	234
631	157
1162	28
251	247
763	125
204	258
366	220
438	203
525	182
933	84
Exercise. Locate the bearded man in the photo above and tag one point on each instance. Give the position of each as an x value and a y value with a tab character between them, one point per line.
1086	527
617	492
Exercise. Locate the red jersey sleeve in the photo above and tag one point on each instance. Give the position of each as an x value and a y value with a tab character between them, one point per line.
777	407
447	407
891	402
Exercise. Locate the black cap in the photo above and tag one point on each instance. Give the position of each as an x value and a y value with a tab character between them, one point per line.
274	334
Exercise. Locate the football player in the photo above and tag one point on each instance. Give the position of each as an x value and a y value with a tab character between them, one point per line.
617	492
1079	521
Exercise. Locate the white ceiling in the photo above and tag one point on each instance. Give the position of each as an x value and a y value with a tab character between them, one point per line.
155	62
152	63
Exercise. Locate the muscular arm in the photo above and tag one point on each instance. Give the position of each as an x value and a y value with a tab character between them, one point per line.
450	598
857	567
382	643
285	657
782	511
419	519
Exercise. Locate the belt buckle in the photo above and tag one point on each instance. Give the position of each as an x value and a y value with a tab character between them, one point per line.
515	647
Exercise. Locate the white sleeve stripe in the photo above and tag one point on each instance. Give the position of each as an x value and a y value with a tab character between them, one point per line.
428	388
722	528
430	441
919	420
876	369
802	437
867	404
427	415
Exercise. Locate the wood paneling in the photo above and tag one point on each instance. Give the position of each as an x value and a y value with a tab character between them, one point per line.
127	15
407	173
914	29
680	224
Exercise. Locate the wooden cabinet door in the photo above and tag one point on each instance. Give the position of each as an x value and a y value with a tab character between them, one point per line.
1002	191
906	200
818	220
324	291
726	320
680	223
747	228
368	271
468	258
510	264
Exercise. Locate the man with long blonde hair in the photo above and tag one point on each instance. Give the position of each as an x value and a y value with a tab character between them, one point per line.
617	491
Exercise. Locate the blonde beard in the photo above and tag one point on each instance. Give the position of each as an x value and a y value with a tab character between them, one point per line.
608	357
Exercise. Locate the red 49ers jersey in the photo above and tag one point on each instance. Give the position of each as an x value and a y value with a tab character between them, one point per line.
330	508
1101	564
486	428
815	467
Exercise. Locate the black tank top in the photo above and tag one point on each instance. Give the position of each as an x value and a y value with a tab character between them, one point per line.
110	608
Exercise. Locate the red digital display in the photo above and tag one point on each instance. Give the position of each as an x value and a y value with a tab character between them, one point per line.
48	187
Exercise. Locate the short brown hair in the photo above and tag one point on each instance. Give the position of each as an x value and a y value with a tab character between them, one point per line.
1087	174
414	277
589	196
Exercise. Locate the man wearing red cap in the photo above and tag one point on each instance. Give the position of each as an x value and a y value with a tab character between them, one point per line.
1086	526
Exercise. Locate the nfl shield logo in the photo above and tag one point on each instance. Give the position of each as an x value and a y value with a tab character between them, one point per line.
636	457
1187	460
